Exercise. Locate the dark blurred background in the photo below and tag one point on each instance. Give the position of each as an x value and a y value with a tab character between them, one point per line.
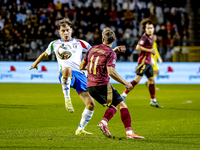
28	26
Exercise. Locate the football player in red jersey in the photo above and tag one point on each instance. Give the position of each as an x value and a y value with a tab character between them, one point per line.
145	46
100	63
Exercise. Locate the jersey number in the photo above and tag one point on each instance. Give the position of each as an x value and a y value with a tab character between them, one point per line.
95	65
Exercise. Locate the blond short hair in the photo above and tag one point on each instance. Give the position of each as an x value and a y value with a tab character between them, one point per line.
109	35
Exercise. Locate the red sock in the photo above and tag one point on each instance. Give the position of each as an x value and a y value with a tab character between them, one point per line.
152	90
133	83
109	114
126	118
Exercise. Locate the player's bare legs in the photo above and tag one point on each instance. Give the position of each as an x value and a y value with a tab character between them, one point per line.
155	73
84	95
66	81
67	72
88	100
125	117
134	82
138	78
87	113
152	92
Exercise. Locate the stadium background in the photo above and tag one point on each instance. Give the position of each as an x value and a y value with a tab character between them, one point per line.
33	116
27	27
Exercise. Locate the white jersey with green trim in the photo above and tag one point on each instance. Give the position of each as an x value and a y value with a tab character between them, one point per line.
74	61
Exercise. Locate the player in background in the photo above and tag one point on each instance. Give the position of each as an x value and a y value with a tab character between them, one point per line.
154	59
145	46
70	75
100	62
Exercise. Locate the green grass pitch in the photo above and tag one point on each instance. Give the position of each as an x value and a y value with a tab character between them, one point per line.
33	116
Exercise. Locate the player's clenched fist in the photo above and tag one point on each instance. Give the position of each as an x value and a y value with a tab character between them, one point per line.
153	51
128	85
34	66
120	49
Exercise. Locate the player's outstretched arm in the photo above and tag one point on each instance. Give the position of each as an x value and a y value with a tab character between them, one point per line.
141	48
83	65
38	60
120	49
113	74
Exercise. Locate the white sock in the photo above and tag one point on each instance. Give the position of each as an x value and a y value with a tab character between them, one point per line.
153	100
66	87
124	94
129	132
86	116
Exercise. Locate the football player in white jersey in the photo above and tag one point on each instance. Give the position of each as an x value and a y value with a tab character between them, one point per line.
70	75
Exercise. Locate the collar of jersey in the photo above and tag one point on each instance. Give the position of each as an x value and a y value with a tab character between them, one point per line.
63	41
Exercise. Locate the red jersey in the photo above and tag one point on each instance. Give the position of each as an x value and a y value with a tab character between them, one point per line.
98	58
147	42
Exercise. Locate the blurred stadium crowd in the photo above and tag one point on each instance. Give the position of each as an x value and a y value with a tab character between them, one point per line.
27	26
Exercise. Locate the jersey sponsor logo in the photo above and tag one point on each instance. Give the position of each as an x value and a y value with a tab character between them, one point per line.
98	50
141	42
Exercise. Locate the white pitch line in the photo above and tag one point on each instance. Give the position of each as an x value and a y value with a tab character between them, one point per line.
187	102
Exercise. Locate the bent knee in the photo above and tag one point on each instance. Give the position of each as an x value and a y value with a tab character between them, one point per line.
90	105
151	81
67	69
66	72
